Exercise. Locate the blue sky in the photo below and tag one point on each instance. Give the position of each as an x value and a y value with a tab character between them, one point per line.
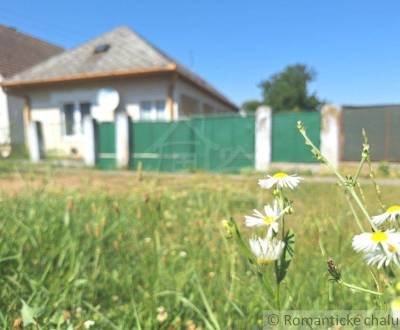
353	45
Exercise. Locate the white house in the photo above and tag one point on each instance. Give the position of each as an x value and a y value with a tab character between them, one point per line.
60	91
18	52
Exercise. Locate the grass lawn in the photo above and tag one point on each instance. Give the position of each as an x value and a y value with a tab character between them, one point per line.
114	248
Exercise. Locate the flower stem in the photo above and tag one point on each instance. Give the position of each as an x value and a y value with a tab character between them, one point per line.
278	297
349	188
360	166
354	287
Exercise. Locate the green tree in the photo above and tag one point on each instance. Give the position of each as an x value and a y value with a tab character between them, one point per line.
288	90
251	105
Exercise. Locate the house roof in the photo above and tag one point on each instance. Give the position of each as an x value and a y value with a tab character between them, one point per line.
19	51
126	55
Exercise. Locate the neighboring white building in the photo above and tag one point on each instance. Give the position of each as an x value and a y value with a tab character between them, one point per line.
60	91
18	52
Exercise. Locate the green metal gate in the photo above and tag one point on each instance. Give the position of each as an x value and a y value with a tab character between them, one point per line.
105	145
220	143
224	143
287	143
382	126
162	146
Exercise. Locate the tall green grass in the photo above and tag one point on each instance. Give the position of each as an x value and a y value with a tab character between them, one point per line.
114	255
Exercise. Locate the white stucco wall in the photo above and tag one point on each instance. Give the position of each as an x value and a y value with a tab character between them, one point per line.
46	106
184	88
4	121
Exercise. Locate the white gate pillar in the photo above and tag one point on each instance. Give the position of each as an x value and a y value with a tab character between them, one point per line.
263	138
122	139
330	133
35	141
89	141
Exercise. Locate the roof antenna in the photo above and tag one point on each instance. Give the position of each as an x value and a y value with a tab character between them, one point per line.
191	59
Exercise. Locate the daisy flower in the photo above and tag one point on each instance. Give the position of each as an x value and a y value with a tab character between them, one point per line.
391	214
281	180
269	218
369	242
266	250
162	314
382	257
88	324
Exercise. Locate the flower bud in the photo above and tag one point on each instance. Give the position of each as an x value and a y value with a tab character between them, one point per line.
228	228
334	270
397	287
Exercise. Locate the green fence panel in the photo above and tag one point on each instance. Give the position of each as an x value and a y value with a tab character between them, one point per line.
162	146
224	143
287	143
105	145
220	143
382	127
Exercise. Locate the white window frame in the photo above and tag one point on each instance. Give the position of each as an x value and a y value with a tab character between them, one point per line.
154	113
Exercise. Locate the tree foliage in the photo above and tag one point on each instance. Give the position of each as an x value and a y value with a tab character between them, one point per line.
288	90
251	105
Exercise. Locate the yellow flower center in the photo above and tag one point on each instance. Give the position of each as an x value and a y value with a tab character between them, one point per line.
268	220
280	175
379	237
392	248
263	261
393	209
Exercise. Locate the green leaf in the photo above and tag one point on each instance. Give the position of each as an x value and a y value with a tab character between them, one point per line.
28	314
283	263
242	245
57	319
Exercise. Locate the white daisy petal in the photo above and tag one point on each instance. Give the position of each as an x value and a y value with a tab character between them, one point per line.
267	183
391	214
258	213
281	180
382	258
258	219
380	248
266	250
379	219
254	221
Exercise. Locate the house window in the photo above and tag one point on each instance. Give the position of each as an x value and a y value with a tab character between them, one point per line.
160	110
73	115
207	109
69	119
85	111
145	110
188	106
152	110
